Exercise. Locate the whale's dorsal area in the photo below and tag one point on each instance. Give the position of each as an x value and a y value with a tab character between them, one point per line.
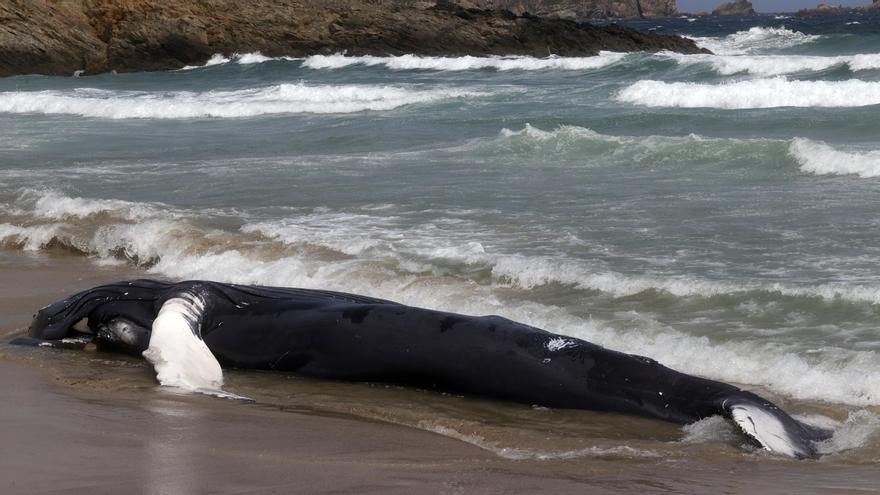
197	327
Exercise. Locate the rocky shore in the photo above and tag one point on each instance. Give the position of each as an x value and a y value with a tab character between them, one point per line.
824	8
582	9
61	37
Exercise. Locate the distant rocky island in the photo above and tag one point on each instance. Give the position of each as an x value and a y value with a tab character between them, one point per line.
738	7
94	36
824	8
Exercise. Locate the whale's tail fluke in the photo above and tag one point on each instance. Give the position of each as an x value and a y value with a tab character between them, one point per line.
772	427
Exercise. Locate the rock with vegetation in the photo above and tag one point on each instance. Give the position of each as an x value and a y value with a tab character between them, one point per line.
737	7
66	36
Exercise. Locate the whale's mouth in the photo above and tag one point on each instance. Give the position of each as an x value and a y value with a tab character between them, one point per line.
94	315
135	299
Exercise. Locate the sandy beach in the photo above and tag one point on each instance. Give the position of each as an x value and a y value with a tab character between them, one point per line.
79	421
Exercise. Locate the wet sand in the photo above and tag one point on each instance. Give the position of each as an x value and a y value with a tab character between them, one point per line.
85	422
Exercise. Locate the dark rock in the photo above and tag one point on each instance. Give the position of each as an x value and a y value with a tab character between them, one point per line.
61	37
737	7
824	8
583	9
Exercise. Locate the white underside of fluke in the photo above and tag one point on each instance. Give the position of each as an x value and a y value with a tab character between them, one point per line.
765	427
181	358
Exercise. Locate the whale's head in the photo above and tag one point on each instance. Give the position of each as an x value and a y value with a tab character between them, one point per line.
137	299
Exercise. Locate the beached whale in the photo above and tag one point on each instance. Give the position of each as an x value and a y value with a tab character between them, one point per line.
188	330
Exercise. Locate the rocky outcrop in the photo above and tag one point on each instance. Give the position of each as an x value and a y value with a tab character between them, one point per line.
583	9
737	7
46	37
824	8
65	36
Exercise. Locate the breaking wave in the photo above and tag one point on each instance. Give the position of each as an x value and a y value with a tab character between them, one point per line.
579	142
858	430
278	99
758	93
415	62
820	159
51	204
449	264
811	157
777	65
756	39
238	58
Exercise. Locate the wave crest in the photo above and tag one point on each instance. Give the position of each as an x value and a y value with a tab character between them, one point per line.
777	65
820	159
239	58
758	93
415	62
49	203
278	99
756	39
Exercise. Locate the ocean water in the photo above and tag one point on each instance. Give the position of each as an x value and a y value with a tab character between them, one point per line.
719	213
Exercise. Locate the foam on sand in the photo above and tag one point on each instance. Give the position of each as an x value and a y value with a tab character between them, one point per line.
278	99
516	453
757	93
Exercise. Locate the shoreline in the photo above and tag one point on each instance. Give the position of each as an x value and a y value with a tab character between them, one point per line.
96	421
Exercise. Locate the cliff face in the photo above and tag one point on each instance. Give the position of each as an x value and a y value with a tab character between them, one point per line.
583	9
738	7
64	36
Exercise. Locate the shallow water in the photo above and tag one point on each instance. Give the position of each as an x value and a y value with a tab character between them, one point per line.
717	213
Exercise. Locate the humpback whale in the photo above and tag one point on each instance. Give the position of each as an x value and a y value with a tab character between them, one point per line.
190	330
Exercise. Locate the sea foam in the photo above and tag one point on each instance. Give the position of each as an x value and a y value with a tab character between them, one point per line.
777	65
415	62
278	99
517	453
757	93
756	39
239	58
821	159
49	203
397	262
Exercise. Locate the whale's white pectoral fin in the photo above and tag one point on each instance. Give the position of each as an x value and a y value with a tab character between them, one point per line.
177	352
761	424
